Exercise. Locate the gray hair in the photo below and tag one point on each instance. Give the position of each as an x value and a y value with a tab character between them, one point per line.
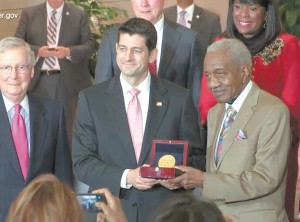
13	42
238	52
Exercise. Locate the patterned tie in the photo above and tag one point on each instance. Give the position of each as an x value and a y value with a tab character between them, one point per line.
135	122
20	140
230	115
181	19
51	39
152	67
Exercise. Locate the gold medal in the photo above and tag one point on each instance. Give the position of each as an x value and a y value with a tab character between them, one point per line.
167	161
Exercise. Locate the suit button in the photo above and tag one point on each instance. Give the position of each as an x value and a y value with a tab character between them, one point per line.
134	205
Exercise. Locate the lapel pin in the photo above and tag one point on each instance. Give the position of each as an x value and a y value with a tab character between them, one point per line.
67	13
158	103
197	16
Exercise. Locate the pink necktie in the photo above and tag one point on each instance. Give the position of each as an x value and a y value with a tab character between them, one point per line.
135	122
152	67
20	140
230	115
51	39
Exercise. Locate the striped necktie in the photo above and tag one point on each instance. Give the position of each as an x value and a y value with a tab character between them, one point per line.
51	39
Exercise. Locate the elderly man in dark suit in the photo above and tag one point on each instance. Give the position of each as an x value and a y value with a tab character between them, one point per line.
109	148
61	39
32	133
179	55
204	22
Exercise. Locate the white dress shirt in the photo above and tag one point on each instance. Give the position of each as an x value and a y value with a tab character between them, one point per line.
188	16
143	97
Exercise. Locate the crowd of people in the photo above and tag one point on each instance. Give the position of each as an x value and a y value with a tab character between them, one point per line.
167	74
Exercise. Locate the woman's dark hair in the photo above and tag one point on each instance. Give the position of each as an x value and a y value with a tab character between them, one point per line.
185	207
266	35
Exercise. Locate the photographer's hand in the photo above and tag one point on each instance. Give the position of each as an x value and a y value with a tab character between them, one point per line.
112	211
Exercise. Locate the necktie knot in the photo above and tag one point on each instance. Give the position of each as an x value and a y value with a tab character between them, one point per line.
134	92
231	112
181	19
17	108
182	13
53	12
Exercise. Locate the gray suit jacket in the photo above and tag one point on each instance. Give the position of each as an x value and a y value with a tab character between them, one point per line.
49	151
205	23
74	33
179	62
102	145
249	181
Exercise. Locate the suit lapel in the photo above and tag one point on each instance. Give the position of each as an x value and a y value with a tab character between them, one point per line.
156	111
43	17
169	45
196	18
118	116
6	138
65	22
38	127
215	127
240	121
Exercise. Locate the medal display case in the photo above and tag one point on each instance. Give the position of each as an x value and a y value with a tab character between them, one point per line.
165	154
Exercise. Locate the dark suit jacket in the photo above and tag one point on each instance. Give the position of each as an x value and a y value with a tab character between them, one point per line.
179	62
102	145
49	152
74	33
204	22
248	184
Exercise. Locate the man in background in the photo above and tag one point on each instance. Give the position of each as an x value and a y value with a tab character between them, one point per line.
178	57
204	22
61	39
32	133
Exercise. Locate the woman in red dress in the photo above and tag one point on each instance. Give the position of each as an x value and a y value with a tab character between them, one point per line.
276	68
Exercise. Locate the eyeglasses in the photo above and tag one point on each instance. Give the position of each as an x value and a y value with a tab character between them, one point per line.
21	69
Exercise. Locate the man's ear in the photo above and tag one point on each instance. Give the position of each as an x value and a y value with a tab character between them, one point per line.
246	73
32	72
153	55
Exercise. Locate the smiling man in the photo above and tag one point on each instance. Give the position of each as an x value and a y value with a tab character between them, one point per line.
248	140
32	133
118	119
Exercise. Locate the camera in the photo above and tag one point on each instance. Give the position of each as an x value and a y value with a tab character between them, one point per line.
88	201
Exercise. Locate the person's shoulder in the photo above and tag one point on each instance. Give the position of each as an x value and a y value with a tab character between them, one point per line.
287	38
70	8
268	102
170	9
34	8
184	31
41	101
206	12
173	88
97	89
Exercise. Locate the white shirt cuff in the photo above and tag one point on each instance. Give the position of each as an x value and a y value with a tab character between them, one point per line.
124	180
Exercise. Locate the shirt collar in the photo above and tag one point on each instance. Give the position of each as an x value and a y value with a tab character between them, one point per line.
58	10
189	10
144	87
9	105
160	24
241	98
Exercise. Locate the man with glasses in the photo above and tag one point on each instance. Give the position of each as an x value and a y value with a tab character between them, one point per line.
32	133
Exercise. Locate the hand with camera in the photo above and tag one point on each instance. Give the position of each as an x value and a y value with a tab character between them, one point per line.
111	209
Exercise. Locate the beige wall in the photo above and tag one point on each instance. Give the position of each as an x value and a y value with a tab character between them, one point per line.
11	11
